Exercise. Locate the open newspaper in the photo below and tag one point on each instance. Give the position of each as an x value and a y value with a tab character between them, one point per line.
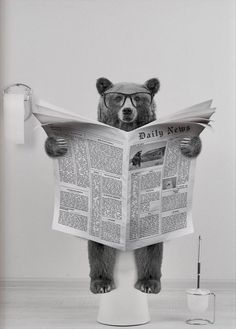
124	189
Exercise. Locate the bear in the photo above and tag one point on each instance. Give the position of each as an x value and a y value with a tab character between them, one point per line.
136	160
126	106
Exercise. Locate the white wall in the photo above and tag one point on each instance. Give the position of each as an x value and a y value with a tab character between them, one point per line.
59	48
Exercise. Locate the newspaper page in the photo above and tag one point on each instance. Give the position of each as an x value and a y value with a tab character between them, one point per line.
91	183
123	189
160	184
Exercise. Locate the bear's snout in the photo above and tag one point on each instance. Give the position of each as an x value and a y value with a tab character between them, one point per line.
127	114
127	111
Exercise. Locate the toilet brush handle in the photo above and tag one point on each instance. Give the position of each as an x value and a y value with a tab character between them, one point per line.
198	274
198	262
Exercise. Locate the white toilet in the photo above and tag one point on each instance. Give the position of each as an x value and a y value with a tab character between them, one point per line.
124	306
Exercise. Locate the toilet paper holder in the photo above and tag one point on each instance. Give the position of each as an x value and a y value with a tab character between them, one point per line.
17	88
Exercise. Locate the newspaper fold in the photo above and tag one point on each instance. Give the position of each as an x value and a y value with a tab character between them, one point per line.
124	189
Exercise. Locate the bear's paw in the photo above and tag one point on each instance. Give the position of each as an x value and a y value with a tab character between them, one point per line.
101	286
148	286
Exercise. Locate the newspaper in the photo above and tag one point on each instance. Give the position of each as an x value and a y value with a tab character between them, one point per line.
124	189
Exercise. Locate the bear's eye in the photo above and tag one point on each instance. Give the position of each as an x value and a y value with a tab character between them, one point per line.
137	98
142	98
118	98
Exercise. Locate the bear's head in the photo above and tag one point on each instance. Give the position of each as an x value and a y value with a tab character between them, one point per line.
127	105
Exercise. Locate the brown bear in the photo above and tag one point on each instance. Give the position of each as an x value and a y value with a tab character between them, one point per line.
126	106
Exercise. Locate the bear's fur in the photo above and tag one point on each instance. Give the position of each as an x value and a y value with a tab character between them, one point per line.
128	117
102	258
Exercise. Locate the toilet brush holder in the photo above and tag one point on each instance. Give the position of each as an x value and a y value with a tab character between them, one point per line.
198	301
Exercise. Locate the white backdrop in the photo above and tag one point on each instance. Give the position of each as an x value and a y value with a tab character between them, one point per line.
60	48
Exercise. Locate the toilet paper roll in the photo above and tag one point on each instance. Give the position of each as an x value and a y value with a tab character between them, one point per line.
13	117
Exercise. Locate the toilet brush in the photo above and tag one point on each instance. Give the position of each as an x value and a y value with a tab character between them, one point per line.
198	262
198	299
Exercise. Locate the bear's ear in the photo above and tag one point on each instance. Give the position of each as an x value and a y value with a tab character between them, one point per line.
103	84
152	85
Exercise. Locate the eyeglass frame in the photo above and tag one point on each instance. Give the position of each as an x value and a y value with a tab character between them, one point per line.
126	96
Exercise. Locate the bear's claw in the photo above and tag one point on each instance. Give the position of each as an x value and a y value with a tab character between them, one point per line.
191	147
100	286
56	146
148	286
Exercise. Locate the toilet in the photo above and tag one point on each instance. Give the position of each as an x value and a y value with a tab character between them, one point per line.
125	305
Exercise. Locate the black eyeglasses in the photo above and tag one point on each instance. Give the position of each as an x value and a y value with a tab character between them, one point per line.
115	100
